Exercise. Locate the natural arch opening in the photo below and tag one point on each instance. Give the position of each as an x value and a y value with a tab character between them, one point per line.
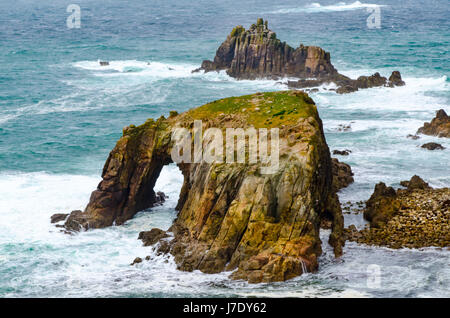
170	182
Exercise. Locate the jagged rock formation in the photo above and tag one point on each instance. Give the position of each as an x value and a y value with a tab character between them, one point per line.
231	216
439	126
414	217
257	53
381	206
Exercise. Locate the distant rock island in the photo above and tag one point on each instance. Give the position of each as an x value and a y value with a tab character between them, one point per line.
415	217
258	53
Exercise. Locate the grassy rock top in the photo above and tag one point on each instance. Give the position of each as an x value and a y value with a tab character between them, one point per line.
261	110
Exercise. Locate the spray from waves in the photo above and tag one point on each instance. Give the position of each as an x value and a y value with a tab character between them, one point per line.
35	253
317	7
414	97
133	70
155	70
129	83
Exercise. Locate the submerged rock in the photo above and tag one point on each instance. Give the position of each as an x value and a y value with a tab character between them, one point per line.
231	215
413	137
137	260
396	79
152	237
381	206
439	126
433	146
104	63
55	218
345	152
258	53
160	198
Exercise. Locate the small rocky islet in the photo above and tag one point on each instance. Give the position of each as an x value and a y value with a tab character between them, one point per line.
258	53
262	227
230	216
415	217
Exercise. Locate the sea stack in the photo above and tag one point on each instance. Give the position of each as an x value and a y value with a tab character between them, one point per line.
257	53
231	215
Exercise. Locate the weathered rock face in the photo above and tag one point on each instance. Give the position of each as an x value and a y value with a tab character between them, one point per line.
257	53
414	217
342	174
231	216
439	126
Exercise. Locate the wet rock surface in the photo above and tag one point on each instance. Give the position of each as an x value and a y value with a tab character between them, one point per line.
433	146
231	215
439	126
152	237
413	137
55	218
345	152
342	174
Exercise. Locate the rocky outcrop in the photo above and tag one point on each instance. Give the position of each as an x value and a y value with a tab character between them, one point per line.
376	80
416	182
232	216
345	152
258	53
152	237
433	146
382	205
439	126
414	217
342	174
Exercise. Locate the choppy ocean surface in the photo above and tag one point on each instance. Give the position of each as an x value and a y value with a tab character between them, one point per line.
61	114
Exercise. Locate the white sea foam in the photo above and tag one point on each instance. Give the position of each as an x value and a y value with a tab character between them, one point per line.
317	7
133	68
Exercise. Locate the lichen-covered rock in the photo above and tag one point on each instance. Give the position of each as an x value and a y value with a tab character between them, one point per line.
439	126
415	217
231	216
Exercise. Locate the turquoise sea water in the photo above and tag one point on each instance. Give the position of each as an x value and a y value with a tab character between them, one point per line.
61	114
